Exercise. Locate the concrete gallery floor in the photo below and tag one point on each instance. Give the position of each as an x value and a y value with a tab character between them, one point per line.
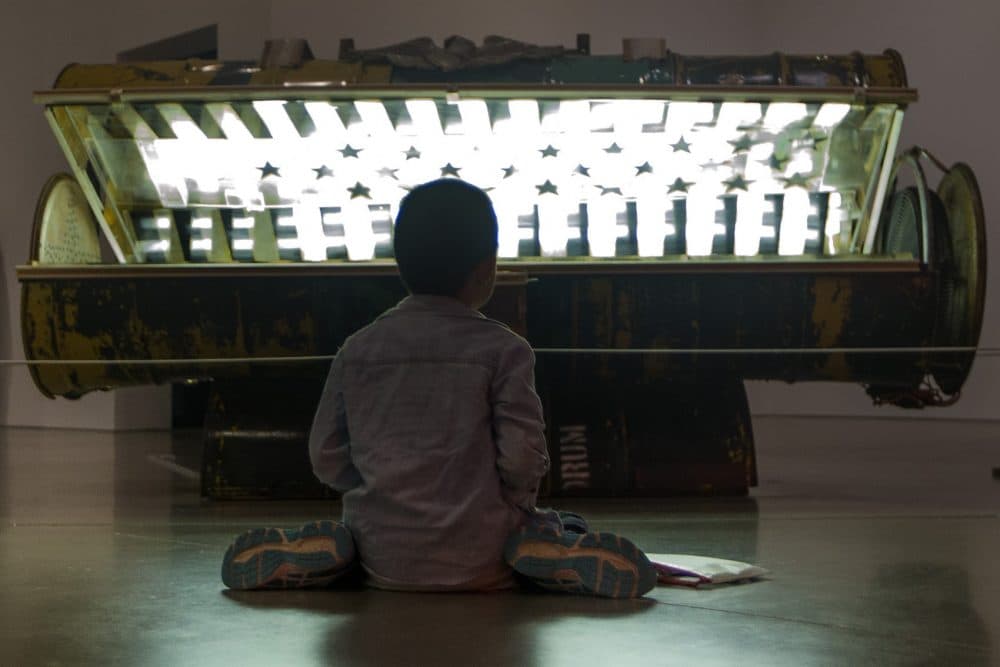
882	536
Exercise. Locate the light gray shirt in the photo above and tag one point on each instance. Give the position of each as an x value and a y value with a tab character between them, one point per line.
430	427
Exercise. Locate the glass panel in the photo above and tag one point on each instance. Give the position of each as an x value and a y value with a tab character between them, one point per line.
318	180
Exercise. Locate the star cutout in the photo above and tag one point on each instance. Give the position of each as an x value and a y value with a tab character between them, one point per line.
613	148
743	144
609	191
268	170
679	185
323	171
681	146
797	181
412	153
350	151
386	172
737	182
359	191
450	170
549	151
583	171
644	168
547	187
509	171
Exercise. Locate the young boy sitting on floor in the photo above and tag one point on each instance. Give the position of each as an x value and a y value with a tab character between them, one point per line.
430	427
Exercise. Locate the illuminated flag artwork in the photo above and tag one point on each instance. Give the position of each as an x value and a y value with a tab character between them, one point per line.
590	177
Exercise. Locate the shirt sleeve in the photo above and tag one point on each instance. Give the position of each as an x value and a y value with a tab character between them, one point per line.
329	440
519	427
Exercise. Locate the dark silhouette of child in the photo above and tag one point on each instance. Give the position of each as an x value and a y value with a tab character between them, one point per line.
430	428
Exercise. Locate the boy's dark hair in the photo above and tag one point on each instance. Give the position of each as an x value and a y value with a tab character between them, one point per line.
443	230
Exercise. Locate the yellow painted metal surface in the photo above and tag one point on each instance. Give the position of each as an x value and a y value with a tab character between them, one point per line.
831	297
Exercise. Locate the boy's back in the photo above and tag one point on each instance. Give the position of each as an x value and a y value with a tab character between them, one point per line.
431	428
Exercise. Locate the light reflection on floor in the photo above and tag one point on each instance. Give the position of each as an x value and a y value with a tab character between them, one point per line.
882	536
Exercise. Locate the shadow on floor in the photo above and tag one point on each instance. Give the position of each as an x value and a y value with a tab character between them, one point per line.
371	627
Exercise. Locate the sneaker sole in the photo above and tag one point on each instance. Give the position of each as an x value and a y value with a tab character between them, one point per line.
594	564
313	556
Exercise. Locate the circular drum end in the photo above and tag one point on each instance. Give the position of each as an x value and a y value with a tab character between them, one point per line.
962	276
65	231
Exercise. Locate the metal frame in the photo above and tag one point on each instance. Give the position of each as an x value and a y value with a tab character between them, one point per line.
342	90
116	230
912	157
509	272
871	216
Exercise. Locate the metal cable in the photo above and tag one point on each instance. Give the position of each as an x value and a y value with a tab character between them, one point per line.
982	352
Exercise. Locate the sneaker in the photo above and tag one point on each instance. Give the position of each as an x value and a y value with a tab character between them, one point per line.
315	555
592	564
573	522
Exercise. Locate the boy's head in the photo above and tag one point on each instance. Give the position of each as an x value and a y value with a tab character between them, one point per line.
445	238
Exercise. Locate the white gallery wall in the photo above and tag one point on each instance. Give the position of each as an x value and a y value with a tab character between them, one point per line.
950	50
40	38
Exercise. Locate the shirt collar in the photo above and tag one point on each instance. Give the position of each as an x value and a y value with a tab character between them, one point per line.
444	305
